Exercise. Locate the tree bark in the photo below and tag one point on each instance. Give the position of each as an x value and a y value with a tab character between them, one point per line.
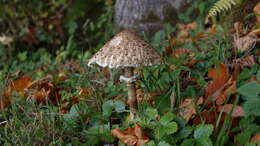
146	15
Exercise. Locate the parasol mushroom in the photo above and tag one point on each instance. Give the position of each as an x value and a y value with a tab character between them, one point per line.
127	50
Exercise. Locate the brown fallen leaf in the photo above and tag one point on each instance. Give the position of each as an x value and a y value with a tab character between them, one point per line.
215	88
256	11
248	61
43	90
20	84
179	52
245	43
221	71
4	102
125	138
238	111
209	117
256	138
206	34
187	108
229	89
131	136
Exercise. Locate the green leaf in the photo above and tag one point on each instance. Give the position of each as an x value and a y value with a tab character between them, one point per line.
119	106
107	108
204	142
258	75
188	142
250	144
163	143
242	138
252	107
250	90
168	129
184	133
166	118
150	143
203	131
151	113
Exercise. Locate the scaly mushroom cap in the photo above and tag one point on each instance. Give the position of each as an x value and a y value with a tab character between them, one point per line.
126	49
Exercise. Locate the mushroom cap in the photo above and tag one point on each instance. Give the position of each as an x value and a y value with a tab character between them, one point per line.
126	49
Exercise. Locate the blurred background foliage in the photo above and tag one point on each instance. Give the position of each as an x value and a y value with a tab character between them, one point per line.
52	23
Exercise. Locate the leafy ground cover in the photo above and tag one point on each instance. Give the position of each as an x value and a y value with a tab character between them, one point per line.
206	94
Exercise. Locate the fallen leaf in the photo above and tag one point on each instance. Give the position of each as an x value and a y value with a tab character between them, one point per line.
181	51
139	132
221	71
43	90
245	43
222	85
41	96
20	84
238	111
206	34
209	117
229	89
248	61
126	139
6	40
187	108
256	138
256	11
4	102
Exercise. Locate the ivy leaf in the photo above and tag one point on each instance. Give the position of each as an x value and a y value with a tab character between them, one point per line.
249	90
168	129
204	142
188	142
163	143
242	138
184	133
203	131
166	118
119	106
151	113
252	107
107	108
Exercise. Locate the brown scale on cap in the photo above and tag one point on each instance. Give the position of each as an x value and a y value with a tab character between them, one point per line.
126	49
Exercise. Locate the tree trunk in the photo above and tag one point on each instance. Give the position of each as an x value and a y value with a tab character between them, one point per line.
146	15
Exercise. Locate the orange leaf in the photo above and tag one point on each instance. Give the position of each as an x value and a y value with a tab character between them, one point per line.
129	131
142	138
139	132
238	111
256	138
126	139
221	87
219	72
20	84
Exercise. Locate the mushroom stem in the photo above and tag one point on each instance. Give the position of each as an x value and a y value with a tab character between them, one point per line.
129	72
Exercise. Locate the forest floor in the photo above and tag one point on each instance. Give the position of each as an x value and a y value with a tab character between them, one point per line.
206	94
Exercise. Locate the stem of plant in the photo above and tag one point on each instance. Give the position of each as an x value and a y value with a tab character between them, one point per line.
129	72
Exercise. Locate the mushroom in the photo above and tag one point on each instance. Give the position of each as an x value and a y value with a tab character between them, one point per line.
127	50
